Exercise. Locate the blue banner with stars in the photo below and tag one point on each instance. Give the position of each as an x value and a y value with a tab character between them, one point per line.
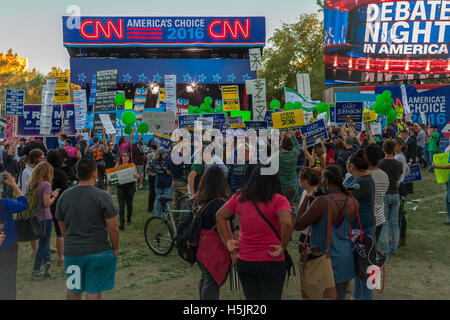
145	71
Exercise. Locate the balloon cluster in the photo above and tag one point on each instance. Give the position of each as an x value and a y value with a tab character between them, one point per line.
205	107
276	104
384	107
128	119
323	107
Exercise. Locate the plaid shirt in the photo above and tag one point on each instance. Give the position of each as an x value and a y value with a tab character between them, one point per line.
288	165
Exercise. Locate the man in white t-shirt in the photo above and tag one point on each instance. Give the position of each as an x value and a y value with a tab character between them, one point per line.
374	154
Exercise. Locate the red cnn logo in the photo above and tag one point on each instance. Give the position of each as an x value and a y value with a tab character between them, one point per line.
227	29
106	31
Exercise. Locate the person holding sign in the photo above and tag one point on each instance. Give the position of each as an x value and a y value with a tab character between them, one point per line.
289	152
126	192
163	183
447	198
318	157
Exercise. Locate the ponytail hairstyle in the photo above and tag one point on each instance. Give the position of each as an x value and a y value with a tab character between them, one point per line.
359	161
335	175
310	175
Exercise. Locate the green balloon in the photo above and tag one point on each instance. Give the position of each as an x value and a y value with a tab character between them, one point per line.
380	99
219	109
196	110
129	118
208	100
191	110
142	128
203	107
128	130
120	99
390	101
376	108
275	104
209	109
298	105
387	93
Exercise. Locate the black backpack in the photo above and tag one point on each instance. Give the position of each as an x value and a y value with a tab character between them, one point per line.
188	234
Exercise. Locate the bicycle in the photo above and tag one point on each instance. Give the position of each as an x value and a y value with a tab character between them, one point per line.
160	231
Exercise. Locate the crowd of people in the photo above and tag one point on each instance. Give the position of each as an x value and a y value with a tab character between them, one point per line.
248	218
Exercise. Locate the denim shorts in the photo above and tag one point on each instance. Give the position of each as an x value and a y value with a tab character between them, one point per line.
93	273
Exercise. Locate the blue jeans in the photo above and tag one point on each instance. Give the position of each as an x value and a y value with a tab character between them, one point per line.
427	155
43	251
361	291
159	192
297	184
430	155
448	200
391	209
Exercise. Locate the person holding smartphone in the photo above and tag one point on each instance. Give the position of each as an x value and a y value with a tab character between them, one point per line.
8	239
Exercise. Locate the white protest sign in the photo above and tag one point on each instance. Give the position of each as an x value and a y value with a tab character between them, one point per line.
255	59
322	116
170	84
107	123
160	121
204	123
257	88
375	128
424	118
303	85
121	175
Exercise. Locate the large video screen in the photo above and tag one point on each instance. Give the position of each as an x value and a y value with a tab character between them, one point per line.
373	40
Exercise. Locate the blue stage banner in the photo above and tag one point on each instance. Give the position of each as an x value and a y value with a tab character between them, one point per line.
434	103
385	40
137	71
165	32
415	175
256	125
218	118
29	123
315	132
187	120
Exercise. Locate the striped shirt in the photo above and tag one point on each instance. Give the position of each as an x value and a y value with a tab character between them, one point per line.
381	180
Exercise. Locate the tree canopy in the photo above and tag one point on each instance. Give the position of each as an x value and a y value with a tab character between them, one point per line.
295	48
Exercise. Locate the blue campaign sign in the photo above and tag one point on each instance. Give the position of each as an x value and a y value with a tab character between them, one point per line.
187	121
159	139
268	116
332	114
165	32
415	175
367	99
315	132
349	111
256	125
89	121
14	102
218	118
29	122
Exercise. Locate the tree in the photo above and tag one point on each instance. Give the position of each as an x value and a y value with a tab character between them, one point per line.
320	3
295	48
14	75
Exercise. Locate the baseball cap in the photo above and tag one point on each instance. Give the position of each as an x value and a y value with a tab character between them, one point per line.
162	150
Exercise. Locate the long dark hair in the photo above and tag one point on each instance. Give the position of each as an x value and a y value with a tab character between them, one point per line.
334	175
55	158
213	185
260	187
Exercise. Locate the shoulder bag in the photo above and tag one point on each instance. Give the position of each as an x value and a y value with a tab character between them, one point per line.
28	227
287	257
316	275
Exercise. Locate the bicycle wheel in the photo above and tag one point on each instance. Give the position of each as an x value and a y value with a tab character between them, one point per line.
159	236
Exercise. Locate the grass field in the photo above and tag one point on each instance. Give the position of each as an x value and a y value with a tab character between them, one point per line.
421	270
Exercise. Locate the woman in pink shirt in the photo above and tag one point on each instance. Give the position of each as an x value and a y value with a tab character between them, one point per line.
71	151
124	145
260	254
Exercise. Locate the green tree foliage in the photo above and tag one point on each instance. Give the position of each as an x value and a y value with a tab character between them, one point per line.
295	48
